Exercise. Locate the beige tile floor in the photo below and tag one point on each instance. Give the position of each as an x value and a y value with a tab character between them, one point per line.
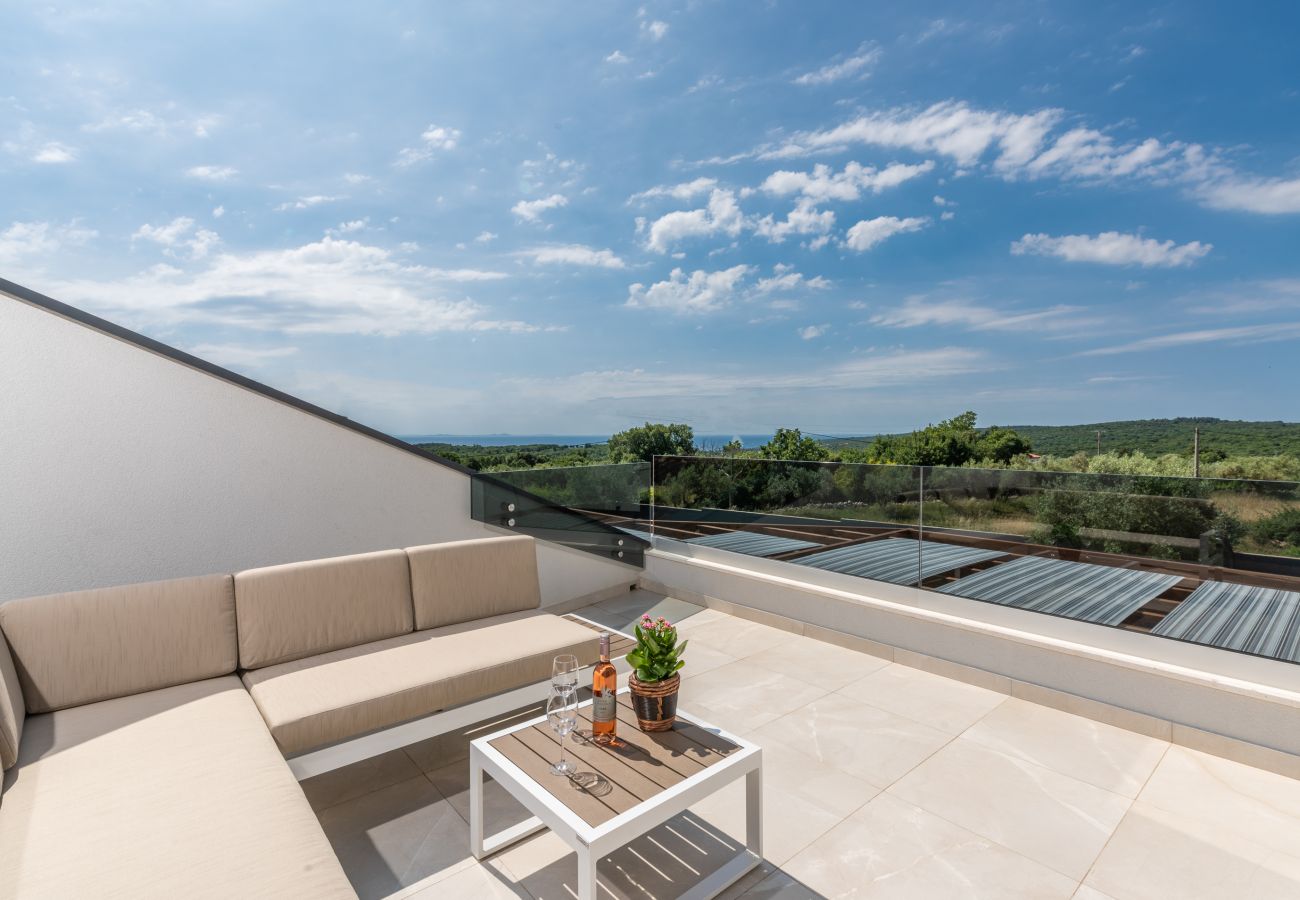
879	780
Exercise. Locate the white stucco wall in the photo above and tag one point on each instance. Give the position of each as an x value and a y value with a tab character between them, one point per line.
118	465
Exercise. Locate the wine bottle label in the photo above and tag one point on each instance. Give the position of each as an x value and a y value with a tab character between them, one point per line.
604	708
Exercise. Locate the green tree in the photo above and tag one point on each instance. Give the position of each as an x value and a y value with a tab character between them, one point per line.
953	442
789	443
1000	444
649	440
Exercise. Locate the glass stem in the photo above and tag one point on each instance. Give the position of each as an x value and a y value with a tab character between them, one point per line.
561	751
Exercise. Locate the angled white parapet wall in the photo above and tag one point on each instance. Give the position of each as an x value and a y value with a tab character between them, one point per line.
118	465
1183	685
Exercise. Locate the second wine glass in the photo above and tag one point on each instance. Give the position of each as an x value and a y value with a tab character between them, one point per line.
564	672
562	716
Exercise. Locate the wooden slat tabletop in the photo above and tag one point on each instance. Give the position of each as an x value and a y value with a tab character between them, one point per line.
612	779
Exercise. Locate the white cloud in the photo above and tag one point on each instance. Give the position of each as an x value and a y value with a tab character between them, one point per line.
786	279
700	292
655	29
769	388
241	356
331	286
218	212
179	235
940	201
1030	146
549	173
832	389
307	202
1113	249
1018	146
811	332
951	129
485	237
721	216
618	58
433	139
1245	334
356	178
822	183
1255	297
870	232
846	68
921	311
440	138
54	153
167	234
805	218
1271	196
163	122
687	190
31	243
574	255
531	210
351	227
212	173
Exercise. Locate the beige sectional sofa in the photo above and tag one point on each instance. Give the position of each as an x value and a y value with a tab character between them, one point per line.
144	728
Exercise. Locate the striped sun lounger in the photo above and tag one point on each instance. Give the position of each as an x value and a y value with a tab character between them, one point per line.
1100	594
751	543
895	559
1264	621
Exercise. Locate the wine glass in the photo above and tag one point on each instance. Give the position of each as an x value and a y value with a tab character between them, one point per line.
562	716
564	672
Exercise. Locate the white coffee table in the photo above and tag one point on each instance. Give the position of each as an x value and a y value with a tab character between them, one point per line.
621	792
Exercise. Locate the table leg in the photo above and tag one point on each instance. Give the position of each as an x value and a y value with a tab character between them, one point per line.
586	874
754	812
475	807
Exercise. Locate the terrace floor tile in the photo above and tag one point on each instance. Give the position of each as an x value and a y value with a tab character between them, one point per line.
950	706
1051	818
1103	755
891	848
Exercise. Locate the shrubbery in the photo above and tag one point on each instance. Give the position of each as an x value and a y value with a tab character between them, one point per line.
1282	528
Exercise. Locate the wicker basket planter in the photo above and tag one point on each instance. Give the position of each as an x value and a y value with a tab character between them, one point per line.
655	703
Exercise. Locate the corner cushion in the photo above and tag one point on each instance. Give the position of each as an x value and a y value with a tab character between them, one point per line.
178	792
313	702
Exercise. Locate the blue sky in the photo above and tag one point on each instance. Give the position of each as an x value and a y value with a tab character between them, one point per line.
572	217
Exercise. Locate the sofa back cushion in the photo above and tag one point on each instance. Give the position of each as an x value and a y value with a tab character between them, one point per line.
465	580
12	709
82	647
300	609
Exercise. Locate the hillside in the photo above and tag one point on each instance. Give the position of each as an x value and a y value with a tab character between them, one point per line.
1152	437
1156	436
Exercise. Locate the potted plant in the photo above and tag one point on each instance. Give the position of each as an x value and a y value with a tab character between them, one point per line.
654	680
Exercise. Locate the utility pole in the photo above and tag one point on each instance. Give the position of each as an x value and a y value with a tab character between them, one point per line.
1196	452
1099	442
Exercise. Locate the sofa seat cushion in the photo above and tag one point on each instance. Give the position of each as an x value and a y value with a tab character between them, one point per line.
178	792
312	702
